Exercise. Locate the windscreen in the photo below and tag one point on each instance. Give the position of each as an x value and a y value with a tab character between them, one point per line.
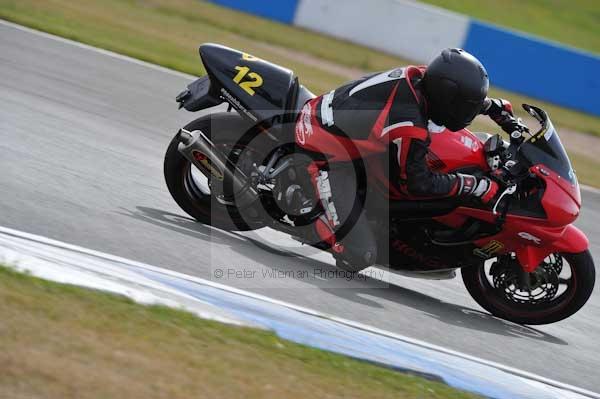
546	148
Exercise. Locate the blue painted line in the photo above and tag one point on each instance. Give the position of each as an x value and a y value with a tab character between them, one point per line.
278	10
537	68
336	337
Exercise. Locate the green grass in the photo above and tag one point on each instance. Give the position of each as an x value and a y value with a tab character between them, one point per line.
572	22
61	341
587	169
168	33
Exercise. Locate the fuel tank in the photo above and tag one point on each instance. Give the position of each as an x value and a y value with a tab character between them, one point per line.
456	151
449	151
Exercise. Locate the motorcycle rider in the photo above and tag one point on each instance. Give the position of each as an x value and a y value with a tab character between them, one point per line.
394	113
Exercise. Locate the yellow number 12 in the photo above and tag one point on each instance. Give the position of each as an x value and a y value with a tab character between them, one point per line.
249	85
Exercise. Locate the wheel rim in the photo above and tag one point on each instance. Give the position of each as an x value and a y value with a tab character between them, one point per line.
553	285
199	183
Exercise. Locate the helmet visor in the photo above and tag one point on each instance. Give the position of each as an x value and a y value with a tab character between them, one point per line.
463	113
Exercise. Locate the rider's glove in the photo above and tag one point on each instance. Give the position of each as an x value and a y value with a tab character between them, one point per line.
501	112
482	188
515	127
497	109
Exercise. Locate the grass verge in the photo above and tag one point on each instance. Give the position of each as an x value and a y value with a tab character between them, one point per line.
587	169
61	341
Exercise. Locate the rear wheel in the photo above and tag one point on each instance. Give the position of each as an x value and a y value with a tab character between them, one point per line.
557	289
191	189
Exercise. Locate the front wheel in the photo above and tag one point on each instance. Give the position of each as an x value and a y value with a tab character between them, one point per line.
557	289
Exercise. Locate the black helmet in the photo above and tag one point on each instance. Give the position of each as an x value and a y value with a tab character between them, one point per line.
455	85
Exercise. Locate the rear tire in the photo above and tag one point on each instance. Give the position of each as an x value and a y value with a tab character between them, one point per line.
494	301
224	129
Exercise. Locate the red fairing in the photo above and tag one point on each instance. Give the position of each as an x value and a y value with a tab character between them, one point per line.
562	200
573	241
456	150
532	239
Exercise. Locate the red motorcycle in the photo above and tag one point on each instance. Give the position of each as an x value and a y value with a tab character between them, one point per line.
520	258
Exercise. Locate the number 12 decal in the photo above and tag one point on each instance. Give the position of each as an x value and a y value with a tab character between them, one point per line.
249	85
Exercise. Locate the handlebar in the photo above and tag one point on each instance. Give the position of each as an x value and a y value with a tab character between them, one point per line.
513	169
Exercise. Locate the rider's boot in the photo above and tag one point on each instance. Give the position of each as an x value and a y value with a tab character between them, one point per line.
343	227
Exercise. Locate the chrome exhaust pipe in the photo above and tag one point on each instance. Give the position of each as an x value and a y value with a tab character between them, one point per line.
202	153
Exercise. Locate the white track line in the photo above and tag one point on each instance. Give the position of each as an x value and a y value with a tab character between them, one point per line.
139	62
350	323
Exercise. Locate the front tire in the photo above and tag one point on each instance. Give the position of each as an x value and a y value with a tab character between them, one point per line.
500	296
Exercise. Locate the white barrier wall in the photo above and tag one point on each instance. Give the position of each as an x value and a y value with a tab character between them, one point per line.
400	27
515	61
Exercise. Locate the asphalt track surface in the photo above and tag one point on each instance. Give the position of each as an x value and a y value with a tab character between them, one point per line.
82	139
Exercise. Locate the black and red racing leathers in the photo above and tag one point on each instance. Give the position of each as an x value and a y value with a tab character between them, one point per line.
385	113
382	113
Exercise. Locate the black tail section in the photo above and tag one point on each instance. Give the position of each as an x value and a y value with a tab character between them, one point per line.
258	89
